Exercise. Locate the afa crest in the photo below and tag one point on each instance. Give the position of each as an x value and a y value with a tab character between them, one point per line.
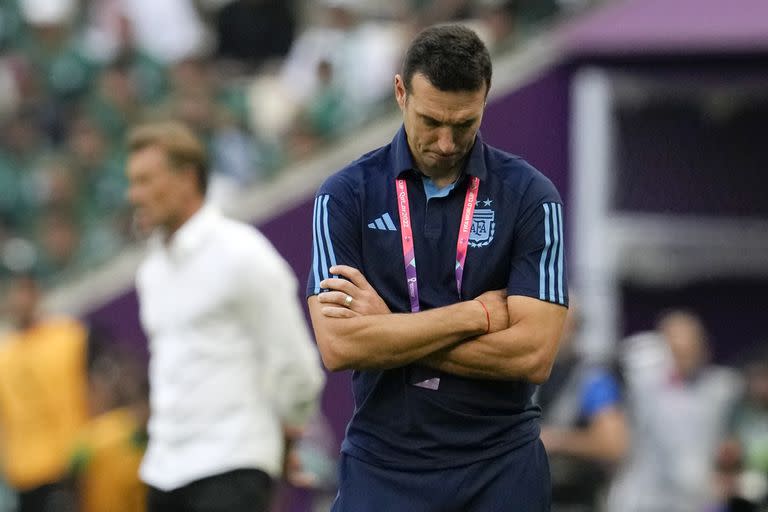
483	226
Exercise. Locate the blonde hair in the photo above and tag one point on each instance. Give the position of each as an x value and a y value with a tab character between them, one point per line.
179	142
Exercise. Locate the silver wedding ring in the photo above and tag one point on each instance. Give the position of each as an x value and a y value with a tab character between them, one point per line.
348	301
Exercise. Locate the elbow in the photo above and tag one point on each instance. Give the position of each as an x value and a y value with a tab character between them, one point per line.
618	446
540	368
616	452
335	355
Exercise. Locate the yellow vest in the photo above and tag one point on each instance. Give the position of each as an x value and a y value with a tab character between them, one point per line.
106	464
43	388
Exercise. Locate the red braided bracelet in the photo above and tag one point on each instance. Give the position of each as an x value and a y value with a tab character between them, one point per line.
487	317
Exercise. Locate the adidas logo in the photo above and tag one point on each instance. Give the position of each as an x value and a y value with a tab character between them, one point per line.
383	223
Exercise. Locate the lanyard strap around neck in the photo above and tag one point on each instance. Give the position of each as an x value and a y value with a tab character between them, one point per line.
406	232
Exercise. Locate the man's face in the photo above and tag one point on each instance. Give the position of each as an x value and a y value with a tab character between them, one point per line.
685	337
156	189
22	301
441	125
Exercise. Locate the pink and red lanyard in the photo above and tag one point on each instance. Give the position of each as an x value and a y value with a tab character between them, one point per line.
406	231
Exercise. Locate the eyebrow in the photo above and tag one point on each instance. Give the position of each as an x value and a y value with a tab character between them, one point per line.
463	122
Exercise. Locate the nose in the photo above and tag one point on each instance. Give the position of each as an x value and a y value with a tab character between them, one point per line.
445	142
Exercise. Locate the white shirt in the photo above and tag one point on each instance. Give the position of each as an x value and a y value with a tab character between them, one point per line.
676	428
231	357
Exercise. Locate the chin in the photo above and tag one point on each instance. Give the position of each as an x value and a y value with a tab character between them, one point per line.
142	226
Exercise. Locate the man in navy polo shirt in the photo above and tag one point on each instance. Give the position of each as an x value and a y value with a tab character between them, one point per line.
438	276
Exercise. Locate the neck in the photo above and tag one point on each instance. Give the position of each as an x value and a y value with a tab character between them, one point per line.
443	177
173	225
26	322
443	180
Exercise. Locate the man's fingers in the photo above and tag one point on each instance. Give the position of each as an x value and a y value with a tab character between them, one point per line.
330	298
340	285
351	273
338	312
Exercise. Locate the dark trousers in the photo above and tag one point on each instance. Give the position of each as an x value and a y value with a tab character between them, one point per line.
516	482
241	490
46	498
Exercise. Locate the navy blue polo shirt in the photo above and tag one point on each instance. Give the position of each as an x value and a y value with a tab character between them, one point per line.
515	243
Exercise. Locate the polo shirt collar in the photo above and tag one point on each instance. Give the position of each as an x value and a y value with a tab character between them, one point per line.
402	160
190	236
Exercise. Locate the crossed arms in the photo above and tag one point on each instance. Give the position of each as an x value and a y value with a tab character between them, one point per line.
519	341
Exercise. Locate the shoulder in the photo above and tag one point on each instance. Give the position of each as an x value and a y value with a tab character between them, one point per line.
349	181
236	238
725	382
599	379
599	391
517	175
247	249
7	344
66	327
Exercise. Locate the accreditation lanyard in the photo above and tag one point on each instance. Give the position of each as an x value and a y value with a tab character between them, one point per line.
406	232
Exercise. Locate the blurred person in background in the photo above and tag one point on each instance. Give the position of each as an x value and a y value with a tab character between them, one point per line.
233	369
500	19
583	424
43	403
363	55
743	455
60	70
217	113
21	144
98	168
63	247
167	31
105	463
116	103
678	404
748	425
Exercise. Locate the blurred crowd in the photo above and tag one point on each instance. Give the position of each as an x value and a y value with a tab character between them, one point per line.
265	82
657	427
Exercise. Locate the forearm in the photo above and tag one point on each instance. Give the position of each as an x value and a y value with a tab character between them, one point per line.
391	340
504	355
582	444
605	440
524	350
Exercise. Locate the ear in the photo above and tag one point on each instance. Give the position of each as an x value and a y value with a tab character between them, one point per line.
400	92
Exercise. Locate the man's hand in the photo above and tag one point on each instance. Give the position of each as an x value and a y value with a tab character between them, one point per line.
293	470
495	303
350	297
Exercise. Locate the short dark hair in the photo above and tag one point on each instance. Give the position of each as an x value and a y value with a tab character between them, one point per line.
181	144
452	57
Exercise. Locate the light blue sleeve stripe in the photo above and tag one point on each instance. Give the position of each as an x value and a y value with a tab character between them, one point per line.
328	241
388	222
542	263
320	244
555	248
560	255
380	224
315	251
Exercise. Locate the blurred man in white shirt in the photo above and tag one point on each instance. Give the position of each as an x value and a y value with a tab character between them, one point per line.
232	365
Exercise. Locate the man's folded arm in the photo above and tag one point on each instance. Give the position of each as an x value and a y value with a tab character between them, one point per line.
382	341
525	350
